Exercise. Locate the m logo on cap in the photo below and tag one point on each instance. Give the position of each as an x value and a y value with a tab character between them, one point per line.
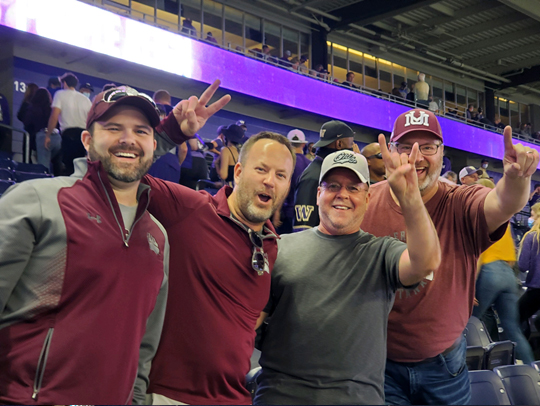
345	158
410	119
321	134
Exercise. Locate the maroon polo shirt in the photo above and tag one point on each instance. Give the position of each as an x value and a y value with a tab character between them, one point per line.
215	298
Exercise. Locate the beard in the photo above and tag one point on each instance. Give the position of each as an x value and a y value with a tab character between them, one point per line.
432	175
122	171
246	204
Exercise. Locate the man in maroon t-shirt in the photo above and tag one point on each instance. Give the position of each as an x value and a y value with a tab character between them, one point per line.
425	325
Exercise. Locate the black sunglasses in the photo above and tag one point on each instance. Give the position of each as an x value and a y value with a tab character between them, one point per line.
378	156
259	260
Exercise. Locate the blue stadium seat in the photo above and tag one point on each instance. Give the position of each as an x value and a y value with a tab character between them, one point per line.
521	383
476	333
536	365
475	358
31	168
7	164
251	380
500	353
22	176
208	185
4	185
487	388
6	174
5	155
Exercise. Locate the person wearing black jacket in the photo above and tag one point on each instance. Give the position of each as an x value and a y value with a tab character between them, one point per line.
334	136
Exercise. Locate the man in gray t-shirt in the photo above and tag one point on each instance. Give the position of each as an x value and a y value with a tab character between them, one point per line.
333	287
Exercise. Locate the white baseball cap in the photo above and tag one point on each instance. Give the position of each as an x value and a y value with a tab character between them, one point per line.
346	159
469	170
297	137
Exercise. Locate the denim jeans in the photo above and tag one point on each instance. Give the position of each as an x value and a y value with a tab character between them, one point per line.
441	380
45	155
496	284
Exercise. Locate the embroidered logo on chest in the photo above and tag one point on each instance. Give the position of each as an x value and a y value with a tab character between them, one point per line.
152	243
96	218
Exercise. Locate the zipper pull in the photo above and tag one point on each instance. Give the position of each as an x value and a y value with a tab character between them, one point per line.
34	395
126	239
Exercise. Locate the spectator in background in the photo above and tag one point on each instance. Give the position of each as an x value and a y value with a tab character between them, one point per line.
242	125
302	68
309	151
421	90
469	114
433	105
164	98
295	63
534	197
529	261
53	85
36	121
498	124
228	156
349	80
283	219
31	89
411	95
496	285
284	60
484	164
194	167
188	28
86	89
403	90
377	170
69	108
5	118
210	38
469	175
449	177
396	93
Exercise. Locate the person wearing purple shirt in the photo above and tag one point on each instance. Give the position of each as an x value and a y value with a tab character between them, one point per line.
529	260
283	219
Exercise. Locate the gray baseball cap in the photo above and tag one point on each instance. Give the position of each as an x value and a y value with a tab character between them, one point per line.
346	159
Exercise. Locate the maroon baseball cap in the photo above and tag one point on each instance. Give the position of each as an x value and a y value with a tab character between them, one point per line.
123	96
416	120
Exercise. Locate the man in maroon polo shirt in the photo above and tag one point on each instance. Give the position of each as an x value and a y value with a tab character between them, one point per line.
222	250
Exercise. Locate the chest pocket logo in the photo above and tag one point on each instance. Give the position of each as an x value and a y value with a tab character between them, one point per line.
153	243
303	212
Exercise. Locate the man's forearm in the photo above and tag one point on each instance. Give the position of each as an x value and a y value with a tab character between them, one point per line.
512	194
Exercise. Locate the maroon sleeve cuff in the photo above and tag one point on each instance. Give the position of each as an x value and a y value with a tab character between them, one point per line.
169	126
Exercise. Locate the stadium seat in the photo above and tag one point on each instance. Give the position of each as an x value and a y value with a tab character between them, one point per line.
4	185
476	333
5	155
536	365
31	168
487	388
22	176
499	354
7	164
208	185
521	383
475	358
6	174
251	380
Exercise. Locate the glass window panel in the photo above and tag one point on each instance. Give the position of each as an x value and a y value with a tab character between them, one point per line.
355	65
233	29
514	116
253	34
503	111
449	97
272	37
461	99
524	113
437	88
340	62
472	99
399	75
412	77
290	42
304	48
385	75
370	72
213	22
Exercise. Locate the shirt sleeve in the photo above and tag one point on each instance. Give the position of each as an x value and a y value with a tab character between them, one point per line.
393	249
150	341
57	100
524	261
306	211
20	217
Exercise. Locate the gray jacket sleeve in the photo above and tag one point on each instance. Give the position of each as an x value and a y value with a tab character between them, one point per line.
152	335
20	215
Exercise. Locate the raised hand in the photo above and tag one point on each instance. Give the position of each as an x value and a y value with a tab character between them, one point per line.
193	113
519	161
401	170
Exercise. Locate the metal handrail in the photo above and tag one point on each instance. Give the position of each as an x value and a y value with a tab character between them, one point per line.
26	152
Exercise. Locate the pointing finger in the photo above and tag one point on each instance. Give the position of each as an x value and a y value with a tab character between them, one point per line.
508	145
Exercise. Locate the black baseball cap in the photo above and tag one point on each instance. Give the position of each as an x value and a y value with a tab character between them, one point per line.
332	131
233	133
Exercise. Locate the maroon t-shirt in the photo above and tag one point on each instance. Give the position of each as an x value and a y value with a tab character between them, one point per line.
427	320
215	298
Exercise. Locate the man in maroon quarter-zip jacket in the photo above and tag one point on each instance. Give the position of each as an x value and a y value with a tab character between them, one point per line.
83	267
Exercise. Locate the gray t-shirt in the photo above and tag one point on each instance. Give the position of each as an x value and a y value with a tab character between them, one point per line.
128	215
326	339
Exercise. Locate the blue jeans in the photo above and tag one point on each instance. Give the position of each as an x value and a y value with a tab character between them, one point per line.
44	155
496	284
441	380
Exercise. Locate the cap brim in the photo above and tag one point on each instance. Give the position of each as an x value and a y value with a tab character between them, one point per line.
324	143
148	110
396	138
360	176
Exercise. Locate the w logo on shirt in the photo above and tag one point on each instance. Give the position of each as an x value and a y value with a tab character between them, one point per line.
303	212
